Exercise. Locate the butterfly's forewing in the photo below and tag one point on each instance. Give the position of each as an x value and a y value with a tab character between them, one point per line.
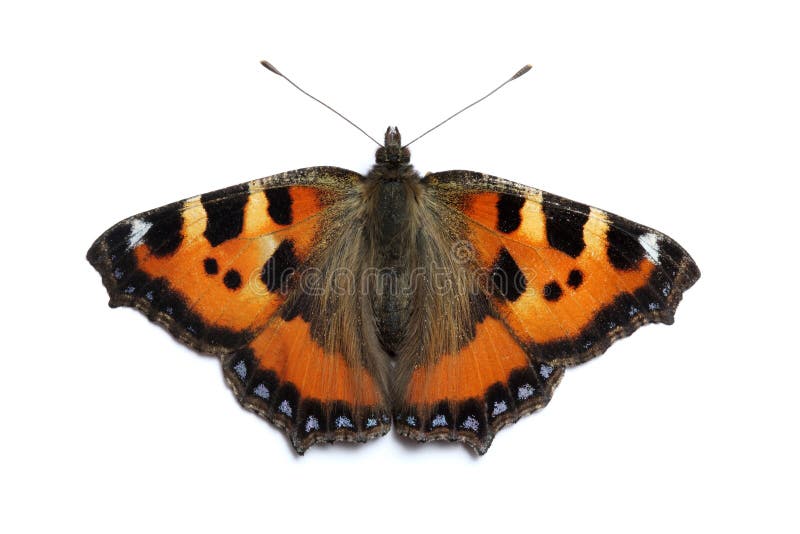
222	272
570	278
562	281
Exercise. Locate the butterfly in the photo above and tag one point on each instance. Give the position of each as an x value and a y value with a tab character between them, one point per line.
447	305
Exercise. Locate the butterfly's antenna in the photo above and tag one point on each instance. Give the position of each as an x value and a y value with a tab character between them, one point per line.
271	68
519	73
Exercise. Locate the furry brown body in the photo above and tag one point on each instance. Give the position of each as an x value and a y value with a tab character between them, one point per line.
415	280
393	202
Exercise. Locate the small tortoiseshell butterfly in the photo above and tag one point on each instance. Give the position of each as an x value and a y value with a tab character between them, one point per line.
447	304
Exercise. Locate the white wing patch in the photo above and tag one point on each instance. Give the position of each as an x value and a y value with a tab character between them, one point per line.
139	229
649	242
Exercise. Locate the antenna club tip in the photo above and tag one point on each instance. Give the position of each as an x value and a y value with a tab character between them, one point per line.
267	65
522	71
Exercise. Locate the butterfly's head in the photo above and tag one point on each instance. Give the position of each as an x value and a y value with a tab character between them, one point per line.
392	152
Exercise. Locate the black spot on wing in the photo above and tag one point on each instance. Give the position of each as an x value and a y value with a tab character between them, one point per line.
508	280
225	212
564	221
280	205
552	291
575	278
508	212
210	266
624	250
166	233
232	279
279	267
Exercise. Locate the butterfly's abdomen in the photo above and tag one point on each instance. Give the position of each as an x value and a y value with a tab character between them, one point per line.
393	232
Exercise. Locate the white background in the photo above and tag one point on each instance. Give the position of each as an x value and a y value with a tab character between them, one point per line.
681	115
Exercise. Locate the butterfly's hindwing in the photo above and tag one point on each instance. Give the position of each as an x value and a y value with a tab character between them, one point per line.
285	376
471	394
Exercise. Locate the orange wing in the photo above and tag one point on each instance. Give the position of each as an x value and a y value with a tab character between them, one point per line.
286	376
568	279
217	270
561	281
468	396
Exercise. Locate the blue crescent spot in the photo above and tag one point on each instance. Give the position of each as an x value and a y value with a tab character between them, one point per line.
439	420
